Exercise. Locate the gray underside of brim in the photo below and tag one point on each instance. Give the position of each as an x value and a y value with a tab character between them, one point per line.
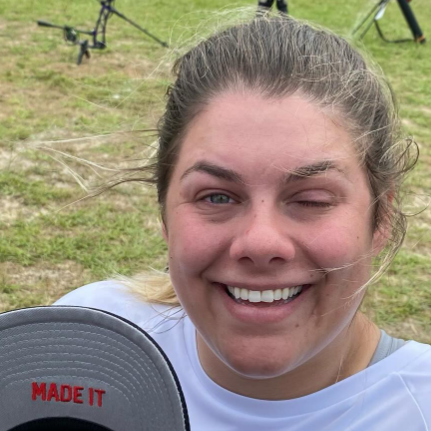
84	350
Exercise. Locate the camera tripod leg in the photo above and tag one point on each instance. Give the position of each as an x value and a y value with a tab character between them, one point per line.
120	15
366	18
366	29
418	36
83	50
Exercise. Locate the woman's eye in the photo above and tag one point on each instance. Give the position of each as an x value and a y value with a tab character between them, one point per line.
318	199
317	204
218	198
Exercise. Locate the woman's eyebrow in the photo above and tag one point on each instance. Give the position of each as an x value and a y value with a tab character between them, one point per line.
311	170
296	174
215	171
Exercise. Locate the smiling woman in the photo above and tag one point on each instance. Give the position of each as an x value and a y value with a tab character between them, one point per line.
278	177
274	232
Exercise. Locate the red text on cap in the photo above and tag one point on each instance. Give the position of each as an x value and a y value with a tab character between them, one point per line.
67	393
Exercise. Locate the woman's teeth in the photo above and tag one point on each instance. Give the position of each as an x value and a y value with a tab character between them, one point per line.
266	295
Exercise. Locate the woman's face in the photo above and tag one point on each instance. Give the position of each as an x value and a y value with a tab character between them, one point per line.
268	202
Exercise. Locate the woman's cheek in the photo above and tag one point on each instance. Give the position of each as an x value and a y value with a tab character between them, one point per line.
338	246
196	245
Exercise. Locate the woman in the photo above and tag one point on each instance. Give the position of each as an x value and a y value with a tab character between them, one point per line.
278	174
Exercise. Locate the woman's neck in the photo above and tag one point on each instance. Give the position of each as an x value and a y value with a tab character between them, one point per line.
350	353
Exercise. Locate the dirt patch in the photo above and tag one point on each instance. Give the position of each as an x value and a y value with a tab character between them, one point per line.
426	110
15	159
7	158
79	162
408	123
12	209
91	162
409	330
113	61
40	284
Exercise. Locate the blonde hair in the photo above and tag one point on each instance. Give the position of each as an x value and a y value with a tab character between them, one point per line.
151	286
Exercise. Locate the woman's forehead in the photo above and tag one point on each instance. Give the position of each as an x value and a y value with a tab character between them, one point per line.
248	129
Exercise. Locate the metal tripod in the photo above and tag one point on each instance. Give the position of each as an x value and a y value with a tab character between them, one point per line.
98	34
378	11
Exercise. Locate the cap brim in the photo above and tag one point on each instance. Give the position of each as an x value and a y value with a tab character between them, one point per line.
82	363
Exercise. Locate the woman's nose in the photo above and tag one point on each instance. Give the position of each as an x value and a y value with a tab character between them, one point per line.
263	240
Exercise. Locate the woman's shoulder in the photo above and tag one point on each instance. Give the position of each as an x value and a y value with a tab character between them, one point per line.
116	298
416	370
415	374
101	291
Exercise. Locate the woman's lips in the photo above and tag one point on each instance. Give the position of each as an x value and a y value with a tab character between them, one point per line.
261	312
266	298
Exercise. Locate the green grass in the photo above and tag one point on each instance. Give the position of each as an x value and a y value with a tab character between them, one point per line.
98	238
45	252
29	192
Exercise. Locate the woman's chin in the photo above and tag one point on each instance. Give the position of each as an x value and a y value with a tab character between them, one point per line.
261	372
259	363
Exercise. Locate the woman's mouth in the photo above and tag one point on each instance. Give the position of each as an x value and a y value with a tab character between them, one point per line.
266	298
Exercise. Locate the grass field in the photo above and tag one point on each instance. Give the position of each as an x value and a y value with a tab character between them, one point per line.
48	247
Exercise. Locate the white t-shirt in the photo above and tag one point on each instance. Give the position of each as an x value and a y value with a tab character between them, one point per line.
392	395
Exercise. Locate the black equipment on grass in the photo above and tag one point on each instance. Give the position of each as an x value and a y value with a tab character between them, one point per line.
98	34
378	11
